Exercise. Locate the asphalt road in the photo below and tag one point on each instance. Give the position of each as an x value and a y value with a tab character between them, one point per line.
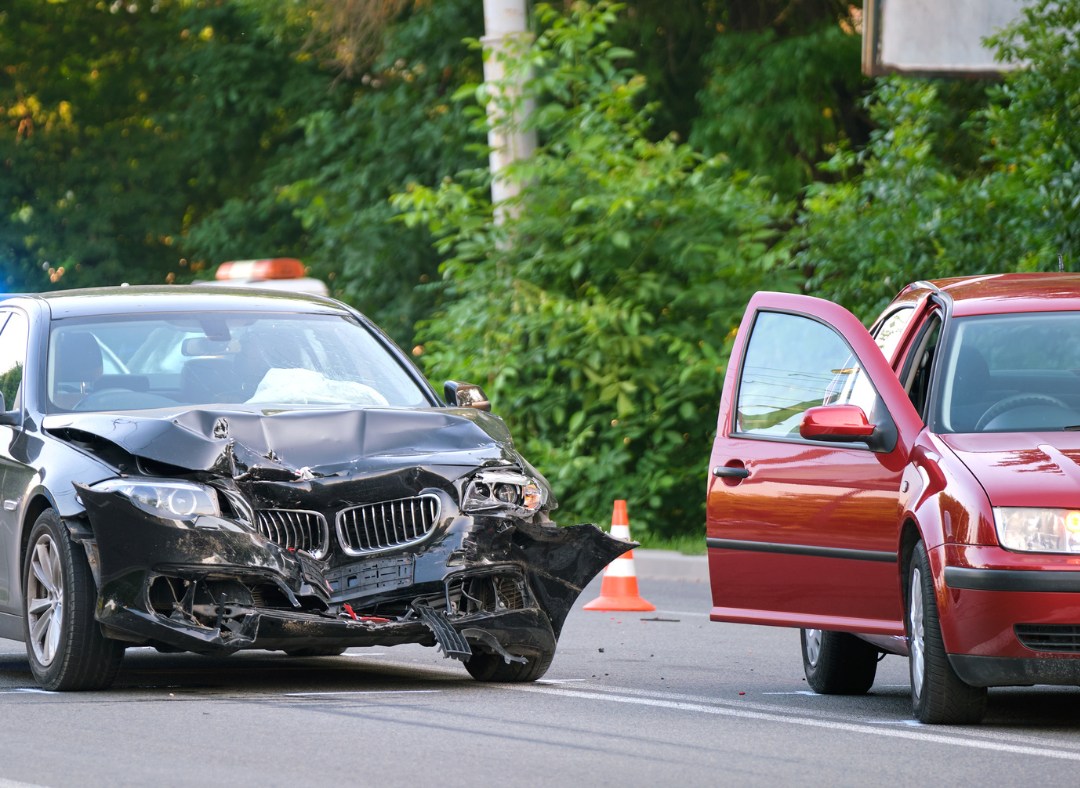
641	699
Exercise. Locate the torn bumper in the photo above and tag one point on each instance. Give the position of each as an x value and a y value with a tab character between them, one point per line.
214	586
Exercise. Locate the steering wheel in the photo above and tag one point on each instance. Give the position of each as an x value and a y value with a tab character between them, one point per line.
1017	401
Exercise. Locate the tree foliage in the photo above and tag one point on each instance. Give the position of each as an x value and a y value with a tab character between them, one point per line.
125	123
778	120
77	160
597	315
957	178
324	195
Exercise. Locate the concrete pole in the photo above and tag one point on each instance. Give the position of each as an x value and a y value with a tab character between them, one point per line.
506	31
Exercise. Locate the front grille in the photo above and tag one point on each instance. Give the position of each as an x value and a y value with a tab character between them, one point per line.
295	529
375	527
1063	638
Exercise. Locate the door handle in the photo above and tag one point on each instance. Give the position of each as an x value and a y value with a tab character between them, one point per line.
729	472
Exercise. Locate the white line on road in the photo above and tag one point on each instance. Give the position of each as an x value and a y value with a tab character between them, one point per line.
33	690
796	692
921	734
559	681
359	692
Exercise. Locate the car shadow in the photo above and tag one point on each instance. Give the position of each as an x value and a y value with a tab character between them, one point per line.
257	671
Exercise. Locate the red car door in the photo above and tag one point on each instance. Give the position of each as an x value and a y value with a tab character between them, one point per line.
803	509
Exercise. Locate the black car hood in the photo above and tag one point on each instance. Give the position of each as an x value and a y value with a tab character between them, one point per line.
297	443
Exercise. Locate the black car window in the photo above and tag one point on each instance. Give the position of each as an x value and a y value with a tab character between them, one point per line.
138	362
13	337
793	363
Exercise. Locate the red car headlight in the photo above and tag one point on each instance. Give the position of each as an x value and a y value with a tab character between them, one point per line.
1033	530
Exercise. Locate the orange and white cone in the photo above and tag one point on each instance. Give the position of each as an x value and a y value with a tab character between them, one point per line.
618	588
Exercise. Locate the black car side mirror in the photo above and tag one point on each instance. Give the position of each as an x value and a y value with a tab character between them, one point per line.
465	395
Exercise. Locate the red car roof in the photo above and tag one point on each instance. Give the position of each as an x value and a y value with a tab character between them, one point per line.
1002	293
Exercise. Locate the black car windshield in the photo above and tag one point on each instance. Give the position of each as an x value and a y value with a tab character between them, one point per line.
136	362
1011	373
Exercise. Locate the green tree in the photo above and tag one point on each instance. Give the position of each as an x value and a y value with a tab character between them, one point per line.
77	157
957	179
327	189
125	123
781	93
597	317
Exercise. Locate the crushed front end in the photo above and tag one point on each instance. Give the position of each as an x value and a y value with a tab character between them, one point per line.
315	560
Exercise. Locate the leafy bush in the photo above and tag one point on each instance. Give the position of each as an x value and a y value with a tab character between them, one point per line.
324	195
957	179
597	315
778	120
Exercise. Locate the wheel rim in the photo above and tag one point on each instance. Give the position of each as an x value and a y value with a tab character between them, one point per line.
813	646
917	644
45	599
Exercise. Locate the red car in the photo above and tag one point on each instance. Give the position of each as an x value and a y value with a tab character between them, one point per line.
913	489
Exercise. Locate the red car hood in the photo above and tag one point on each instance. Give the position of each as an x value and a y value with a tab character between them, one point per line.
1023	469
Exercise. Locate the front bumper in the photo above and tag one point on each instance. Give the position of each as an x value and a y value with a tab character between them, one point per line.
215	586
1009	618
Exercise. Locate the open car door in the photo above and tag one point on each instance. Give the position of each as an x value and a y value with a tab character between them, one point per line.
813	437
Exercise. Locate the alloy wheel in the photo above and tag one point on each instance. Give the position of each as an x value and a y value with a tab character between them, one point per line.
813	646
917	643
45	599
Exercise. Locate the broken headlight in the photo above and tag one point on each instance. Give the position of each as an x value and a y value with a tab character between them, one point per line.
172	500
503	493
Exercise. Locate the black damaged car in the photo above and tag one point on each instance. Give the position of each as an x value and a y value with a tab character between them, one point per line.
208	470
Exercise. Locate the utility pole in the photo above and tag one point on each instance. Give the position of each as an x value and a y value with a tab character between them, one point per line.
505	32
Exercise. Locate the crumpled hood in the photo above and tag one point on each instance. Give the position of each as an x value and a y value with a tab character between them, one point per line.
298	443
1023	469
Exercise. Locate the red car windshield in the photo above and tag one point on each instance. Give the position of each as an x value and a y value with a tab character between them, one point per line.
1011	373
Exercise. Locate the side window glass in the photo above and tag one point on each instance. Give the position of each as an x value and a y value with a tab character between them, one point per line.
920	363
888	334
793	363
12	359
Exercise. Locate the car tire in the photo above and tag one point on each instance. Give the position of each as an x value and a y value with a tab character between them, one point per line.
64	642
938	695
837	663
485	666
329	651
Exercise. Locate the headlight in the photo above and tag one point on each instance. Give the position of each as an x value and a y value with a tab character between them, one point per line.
1038	530
503	493
172	500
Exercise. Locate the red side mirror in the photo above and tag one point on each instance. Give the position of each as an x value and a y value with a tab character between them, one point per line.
836	423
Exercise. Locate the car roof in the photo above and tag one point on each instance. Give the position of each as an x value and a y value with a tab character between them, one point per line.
1007	293
178	298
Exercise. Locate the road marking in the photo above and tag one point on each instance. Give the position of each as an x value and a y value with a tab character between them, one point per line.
921	733
559	681
796	692
34	690
359	692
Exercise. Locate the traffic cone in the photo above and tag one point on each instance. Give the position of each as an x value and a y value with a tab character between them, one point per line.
618	588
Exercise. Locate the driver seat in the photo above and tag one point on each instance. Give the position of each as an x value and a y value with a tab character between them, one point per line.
78	365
